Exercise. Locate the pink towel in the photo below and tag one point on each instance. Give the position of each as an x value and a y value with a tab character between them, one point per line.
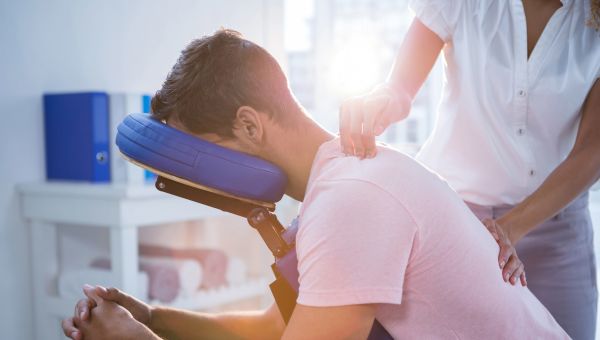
214	262
163	280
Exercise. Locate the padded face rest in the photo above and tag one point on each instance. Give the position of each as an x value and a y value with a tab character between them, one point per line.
157	145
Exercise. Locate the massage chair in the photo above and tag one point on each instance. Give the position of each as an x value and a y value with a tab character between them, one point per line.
231	181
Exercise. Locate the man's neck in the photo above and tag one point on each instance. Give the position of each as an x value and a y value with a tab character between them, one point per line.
296	153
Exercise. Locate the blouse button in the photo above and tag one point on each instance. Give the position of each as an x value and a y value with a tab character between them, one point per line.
522	93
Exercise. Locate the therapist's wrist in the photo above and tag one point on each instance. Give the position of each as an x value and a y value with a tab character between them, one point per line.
396	89
399	104
512	226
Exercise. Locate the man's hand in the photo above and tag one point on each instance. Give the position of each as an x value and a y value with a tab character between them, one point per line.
512	267
363	118
108	320
138	309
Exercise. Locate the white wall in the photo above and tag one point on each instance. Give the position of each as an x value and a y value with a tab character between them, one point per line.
64	45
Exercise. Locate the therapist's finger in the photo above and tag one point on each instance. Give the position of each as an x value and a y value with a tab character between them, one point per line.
373	109
506	251
356	126
368	137
379	105
345	139
523	280
511	266
517	273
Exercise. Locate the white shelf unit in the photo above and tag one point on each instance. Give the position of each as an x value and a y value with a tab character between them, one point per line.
122	209
209	299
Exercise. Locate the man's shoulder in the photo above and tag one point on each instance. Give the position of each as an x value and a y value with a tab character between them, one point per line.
388	170
344	201
391	179
346	186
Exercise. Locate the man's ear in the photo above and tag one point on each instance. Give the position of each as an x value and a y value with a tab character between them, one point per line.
248	126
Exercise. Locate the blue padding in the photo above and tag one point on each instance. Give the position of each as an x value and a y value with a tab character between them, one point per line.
169	150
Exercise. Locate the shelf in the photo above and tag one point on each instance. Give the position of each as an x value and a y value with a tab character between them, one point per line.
87	189
208	299
122	210
107	205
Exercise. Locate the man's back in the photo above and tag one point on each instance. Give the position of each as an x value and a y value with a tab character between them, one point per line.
388	231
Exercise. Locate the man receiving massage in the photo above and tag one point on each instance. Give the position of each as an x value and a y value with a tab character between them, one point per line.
380	238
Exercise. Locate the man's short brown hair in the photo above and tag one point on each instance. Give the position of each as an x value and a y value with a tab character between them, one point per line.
216	75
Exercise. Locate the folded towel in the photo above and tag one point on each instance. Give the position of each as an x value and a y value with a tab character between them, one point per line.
188	272
214	262
168	277
70	282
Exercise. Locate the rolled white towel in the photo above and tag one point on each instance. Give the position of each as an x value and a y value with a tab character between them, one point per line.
189	272
70	282
236	271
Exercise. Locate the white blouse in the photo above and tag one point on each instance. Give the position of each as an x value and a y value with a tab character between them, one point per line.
506	122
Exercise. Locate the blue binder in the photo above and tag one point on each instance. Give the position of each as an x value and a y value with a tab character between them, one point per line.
146	108
77	136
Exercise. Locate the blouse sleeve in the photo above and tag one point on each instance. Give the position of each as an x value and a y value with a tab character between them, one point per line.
440	16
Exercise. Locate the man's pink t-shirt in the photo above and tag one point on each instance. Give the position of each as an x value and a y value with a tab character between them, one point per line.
388	231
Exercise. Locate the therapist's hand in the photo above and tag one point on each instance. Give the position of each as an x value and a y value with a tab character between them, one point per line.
140	311
362	118
513	269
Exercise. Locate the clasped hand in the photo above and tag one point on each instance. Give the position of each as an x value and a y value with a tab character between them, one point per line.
108	314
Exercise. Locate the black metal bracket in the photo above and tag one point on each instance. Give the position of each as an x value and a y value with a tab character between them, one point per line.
259	217
270	230
227	204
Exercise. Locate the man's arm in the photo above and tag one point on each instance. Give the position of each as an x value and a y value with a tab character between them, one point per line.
181	324
343	322
352	257
175	323
576	174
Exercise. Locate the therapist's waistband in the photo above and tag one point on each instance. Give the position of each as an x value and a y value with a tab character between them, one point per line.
579	203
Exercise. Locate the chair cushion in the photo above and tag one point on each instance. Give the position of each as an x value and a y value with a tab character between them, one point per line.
159	146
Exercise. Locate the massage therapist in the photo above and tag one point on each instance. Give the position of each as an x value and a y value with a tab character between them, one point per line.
517	134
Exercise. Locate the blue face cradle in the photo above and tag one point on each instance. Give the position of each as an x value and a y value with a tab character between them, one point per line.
160	147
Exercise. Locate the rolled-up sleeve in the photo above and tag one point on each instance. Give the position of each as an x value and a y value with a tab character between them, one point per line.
440	16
